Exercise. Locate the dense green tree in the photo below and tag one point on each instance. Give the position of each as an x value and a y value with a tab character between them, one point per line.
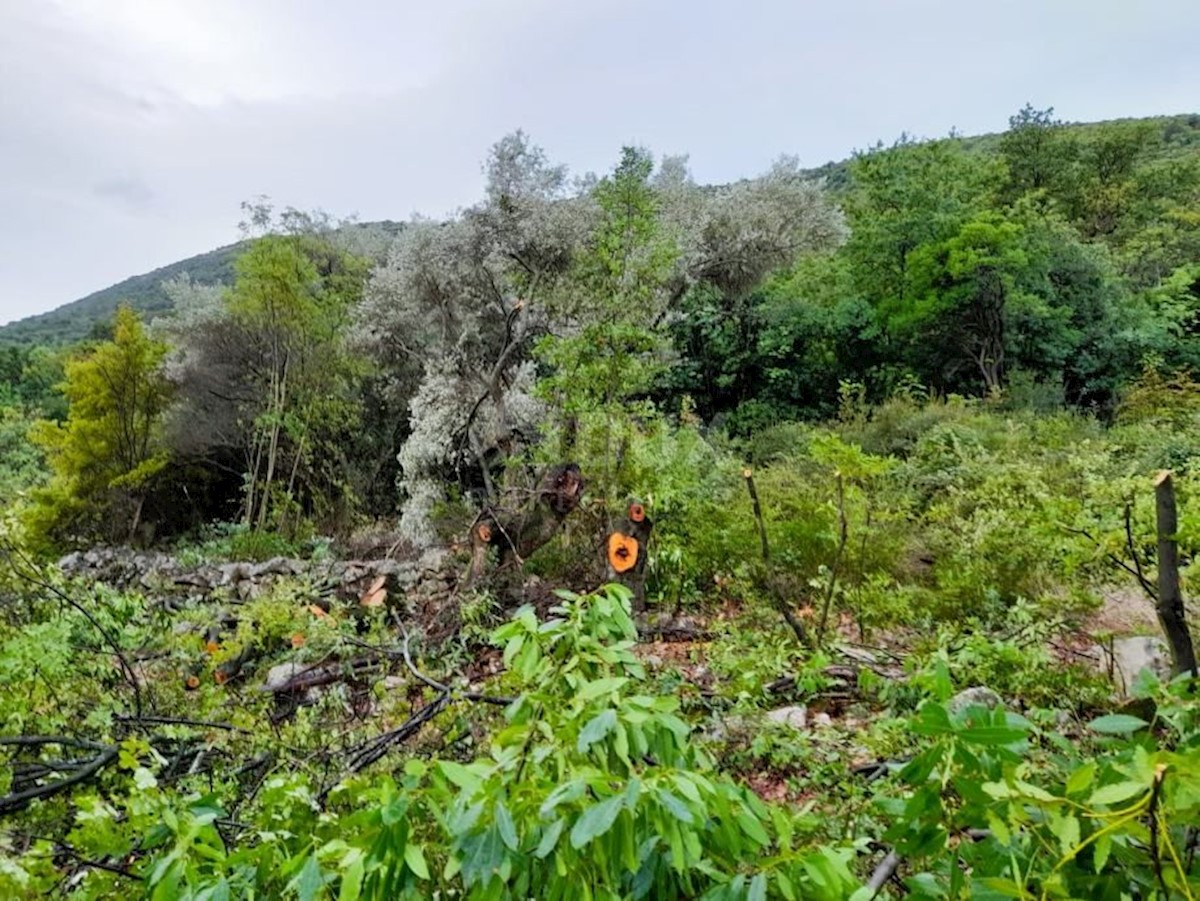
961	298
615	316
904	197
267	375
1039	154
104	457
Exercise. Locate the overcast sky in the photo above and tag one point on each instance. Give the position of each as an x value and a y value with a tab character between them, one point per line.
130	130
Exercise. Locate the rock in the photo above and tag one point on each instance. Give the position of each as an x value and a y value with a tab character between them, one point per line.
795	716
822	720
979	696
233	573
722	730
277	566
1126	657
280	675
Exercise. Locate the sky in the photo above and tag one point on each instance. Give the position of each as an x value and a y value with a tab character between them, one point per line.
131	130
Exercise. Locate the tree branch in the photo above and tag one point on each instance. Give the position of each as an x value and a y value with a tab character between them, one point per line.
18	800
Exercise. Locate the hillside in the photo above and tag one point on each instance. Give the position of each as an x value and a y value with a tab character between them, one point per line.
76	320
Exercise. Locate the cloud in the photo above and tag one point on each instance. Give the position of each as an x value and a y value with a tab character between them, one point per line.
132	129
132	192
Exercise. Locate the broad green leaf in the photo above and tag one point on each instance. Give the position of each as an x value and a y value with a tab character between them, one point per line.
1102	849
1005	887
999	828
550	838
309	881
414	857
932	720
992	736
753	828
997	789
1029	790
508	829
758	888
1117	724
459	775
676	806
596	821
597	687
1066	828
565	793
1081	778
1116	793
352	881
597	729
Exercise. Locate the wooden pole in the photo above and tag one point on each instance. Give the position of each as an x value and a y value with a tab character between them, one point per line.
748	475
1170	597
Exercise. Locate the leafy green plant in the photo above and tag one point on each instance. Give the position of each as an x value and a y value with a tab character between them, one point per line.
995	807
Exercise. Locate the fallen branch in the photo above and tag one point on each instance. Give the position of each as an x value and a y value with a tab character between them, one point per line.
19	800
445	689
320	674
886	869
377	747
67	850
178	721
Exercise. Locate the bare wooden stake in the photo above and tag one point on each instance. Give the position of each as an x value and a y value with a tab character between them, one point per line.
748	475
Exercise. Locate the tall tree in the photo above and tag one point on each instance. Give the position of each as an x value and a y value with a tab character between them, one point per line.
612	336
267	375
105	455
1038	154
907	196
452	316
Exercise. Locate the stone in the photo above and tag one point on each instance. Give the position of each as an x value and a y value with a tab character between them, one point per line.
978	696
280	675
795	716
1125	657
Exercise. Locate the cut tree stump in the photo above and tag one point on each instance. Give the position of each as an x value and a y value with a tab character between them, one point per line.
631	539
517	534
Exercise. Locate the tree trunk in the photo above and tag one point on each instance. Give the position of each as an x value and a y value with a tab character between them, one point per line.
638	526
1170	598
516	535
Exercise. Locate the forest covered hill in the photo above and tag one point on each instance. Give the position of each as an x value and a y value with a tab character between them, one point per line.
145	293
77	319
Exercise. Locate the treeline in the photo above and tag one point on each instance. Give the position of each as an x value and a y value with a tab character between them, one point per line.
351	373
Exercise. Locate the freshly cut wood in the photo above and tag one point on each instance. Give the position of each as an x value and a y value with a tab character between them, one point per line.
632	574
376	594
622	552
